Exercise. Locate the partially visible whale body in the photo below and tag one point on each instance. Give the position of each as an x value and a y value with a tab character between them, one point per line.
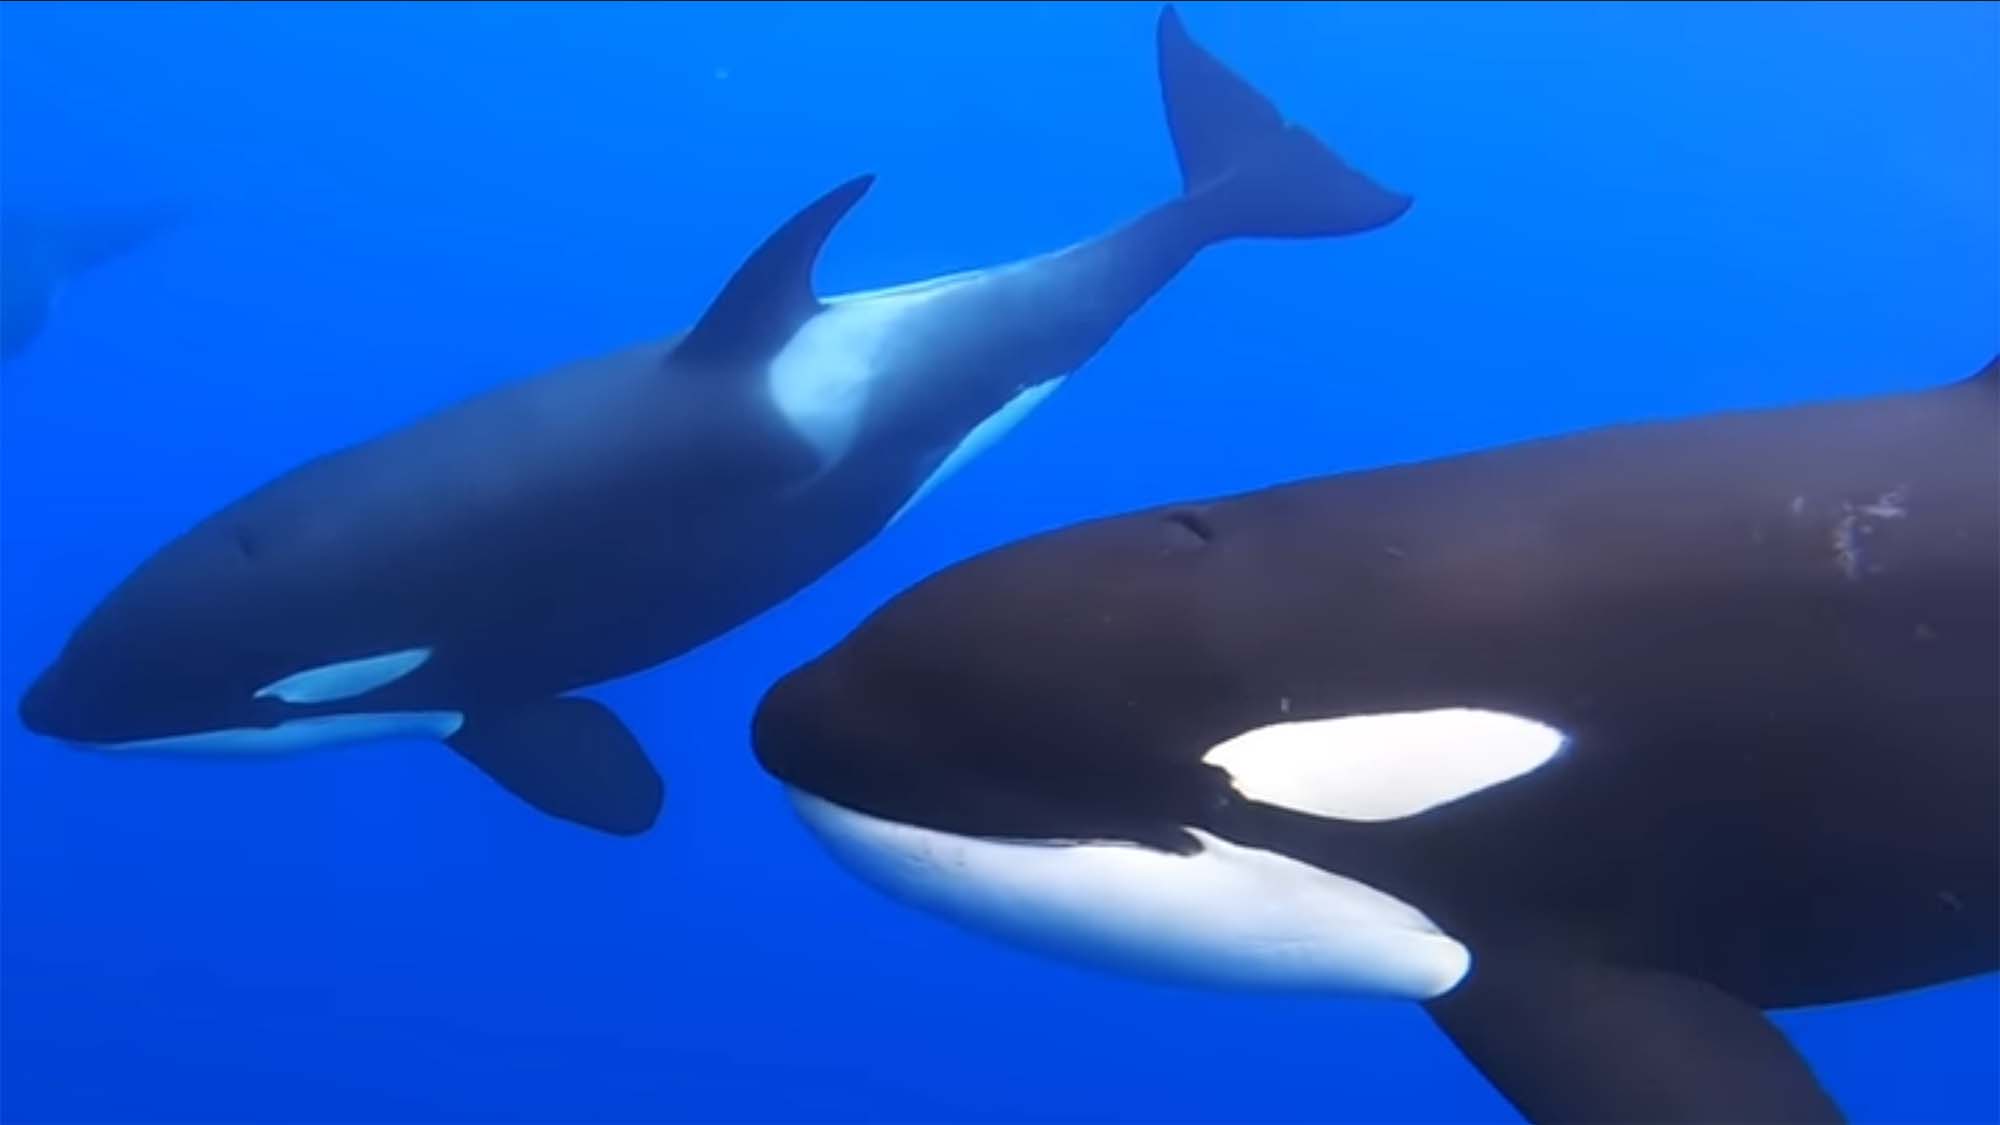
1595	745
43	248
458	578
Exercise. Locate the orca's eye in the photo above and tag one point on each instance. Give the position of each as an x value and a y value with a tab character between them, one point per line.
1188	530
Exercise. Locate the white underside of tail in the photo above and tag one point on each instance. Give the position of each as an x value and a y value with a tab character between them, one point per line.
1227	916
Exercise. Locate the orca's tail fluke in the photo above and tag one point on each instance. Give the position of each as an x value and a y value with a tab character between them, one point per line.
1250	171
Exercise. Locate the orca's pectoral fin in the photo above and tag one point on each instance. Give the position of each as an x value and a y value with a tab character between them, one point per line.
1578	1040
570	758
771	293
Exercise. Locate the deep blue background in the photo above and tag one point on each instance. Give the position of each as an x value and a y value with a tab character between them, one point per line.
1621	212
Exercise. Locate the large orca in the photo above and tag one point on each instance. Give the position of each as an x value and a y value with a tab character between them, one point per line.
1595	745
43	248
456	578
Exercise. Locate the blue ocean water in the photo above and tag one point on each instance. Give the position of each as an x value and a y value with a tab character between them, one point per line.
1622	211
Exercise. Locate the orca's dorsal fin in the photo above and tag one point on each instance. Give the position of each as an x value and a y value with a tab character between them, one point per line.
771	293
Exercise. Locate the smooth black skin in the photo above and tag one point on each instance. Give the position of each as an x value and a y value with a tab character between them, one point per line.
601	519
543	536
1783	786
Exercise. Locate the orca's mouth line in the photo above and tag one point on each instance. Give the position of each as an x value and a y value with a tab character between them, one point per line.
1224	915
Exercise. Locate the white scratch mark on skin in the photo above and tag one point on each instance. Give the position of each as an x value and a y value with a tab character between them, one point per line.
1889	506
1849	530
1846	551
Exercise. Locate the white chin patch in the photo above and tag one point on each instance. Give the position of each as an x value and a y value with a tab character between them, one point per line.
1383	767
347	679
315	733
1227	916
980	438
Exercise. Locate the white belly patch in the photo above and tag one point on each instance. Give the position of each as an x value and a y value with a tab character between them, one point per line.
314	733
1227	916
1383	767
981	438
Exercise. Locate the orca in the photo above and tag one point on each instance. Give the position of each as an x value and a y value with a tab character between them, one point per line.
43	248
460	578
1598	746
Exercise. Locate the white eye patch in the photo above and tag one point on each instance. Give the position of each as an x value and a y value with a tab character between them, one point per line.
347	679
1383	767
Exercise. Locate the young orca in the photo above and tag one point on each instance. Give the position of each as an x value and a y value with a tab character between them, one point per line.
43	248
456	578
1594	745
